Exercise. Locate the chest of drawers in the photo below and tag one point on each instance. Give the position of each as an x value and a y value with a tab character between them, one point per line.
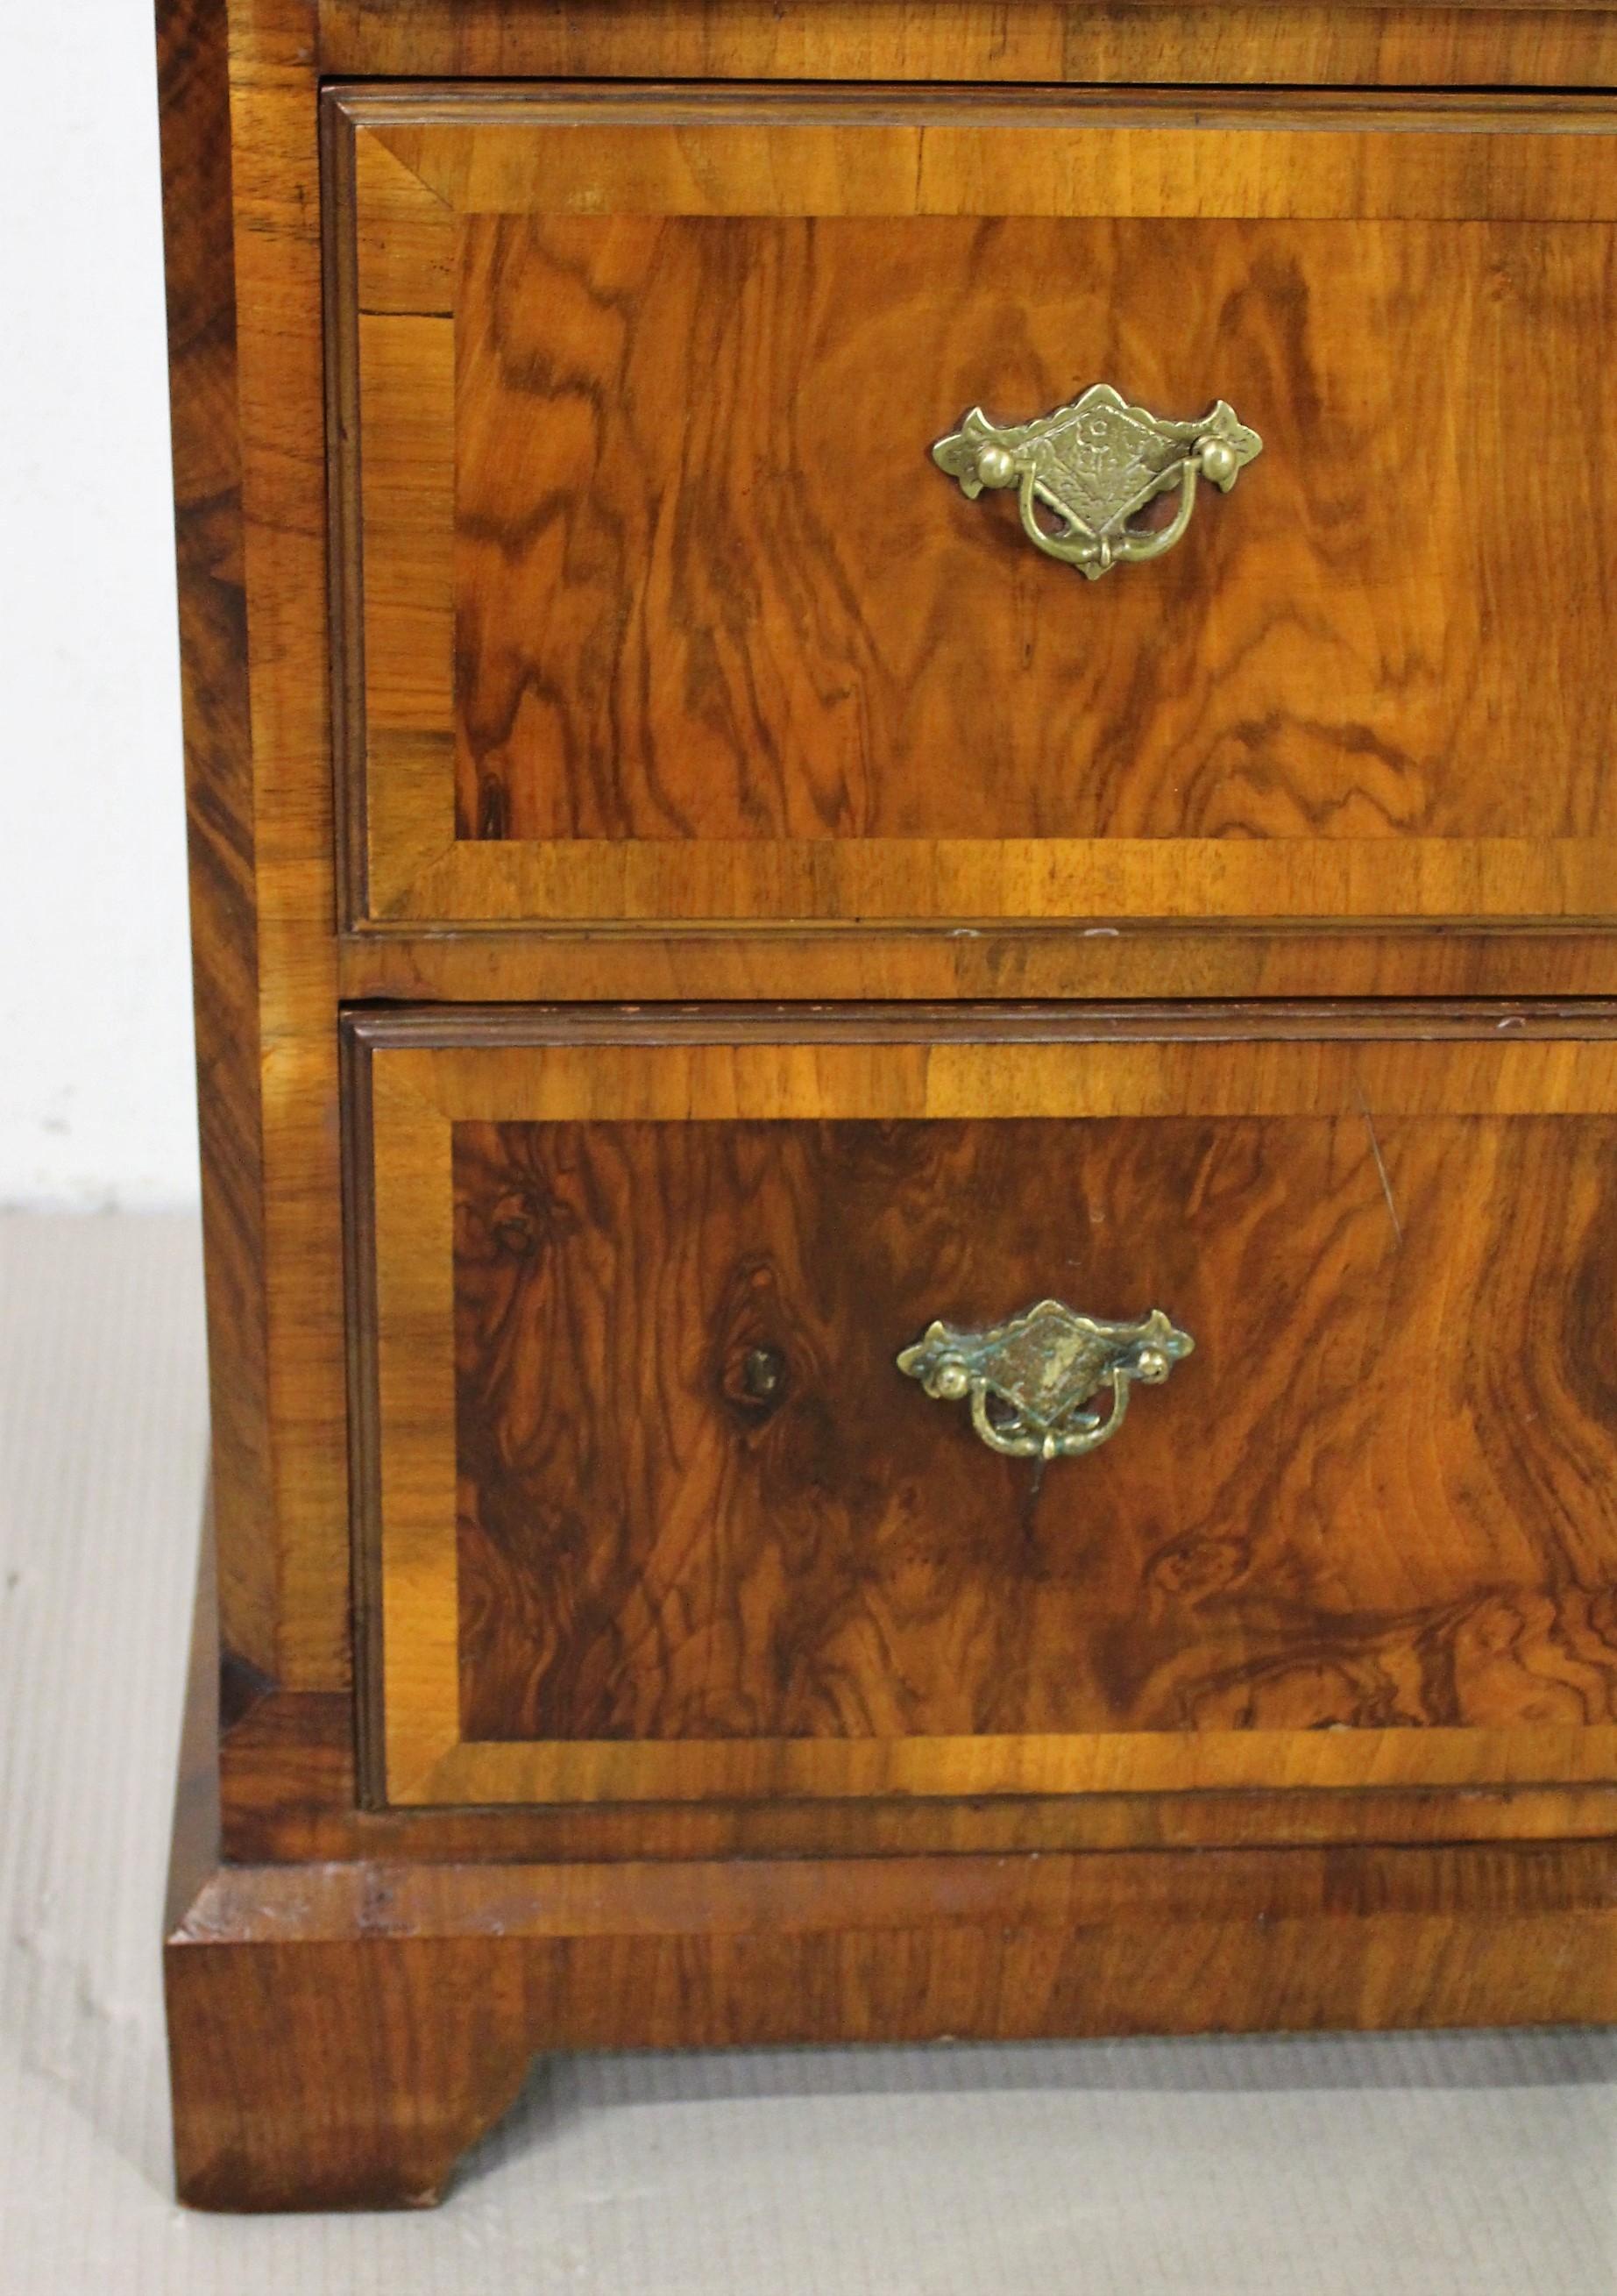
899	742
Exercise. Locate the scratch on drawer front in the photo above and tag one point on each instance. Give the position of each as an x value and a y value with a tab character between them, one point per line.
1381	1166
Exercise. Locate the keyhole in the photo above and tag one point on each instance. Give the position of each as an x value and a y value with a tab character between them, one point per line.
762	1372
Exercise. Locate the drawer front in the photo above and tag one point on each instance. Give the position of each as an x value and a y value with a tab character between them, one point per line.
671	1492
656	605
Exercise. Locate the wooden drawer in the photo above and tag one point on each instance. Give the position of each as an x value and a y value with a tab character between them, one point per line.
654	606
650	1512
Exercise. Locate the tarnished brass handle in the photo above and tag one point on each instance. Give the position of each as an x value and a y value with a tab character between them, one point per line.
1094	465
1029	1380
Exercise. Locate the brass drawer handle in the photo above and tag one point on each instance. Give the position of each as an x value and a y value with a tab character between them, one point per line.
1030	1378
1094	465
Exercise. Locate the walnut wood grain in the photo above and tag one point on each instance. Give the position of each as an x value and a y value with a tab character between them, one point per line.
348	2033
341	2031
1373	1499
1037	40
354	1991
1103	961
851	150
281	357
1390	1021
820	643
1385	1510
292	1796
666	614
194	101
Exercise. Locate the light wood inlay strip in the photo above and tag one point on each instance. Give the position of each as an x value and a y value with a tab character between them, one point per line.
1144	1761
1071	156
723	1083
1265	42
893	879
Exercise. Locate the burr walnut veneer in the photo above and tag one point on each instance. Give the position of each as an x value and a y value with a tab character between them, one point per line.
748	1015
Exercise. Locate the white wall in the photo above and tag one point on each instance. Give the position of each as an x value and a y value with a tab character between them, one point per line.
96	1099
